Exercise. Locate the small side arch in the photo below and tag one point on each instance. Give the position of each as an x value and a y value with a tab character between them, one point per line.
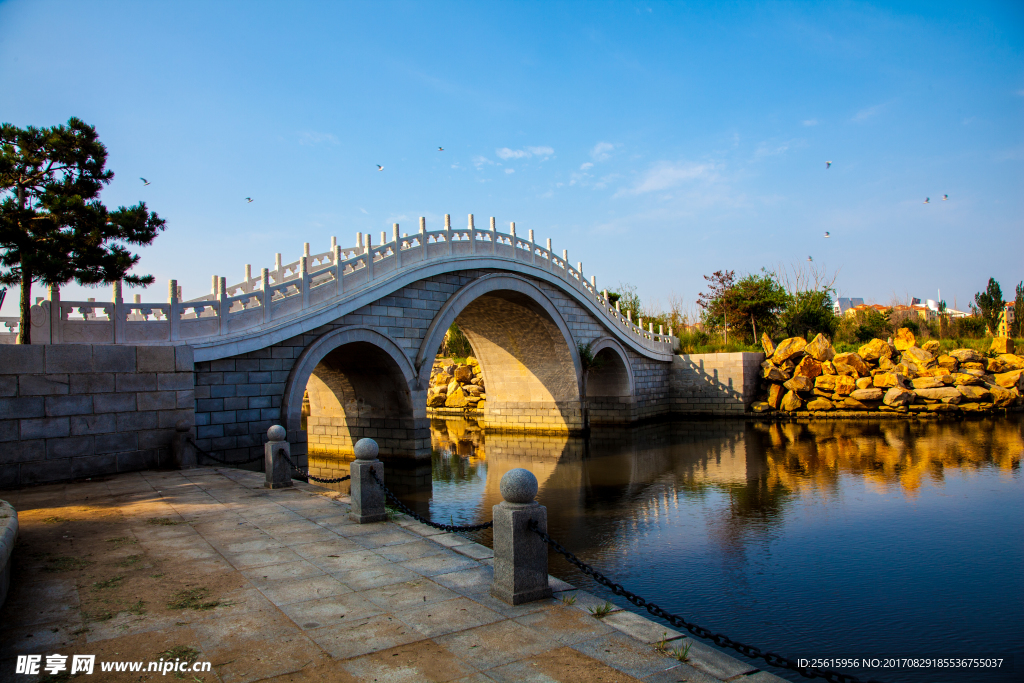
615	377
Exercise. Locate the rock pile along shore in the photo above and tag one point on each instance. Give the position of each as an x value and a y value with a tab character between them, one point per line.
456	385
896	376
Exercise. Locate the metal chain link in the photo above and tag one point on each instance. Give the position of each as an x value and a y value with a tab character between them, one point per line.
677	621
405	508
309	476
211	456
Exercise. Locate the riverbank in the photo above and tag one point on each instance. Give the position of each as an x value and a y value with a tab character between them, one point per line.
206	565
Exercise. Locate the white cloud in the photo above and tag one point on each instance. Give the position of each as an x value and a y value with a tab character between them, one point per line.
480	162
601	151
766	150
664	175
507	153
313	138
810	122
865	114
586	166
364	211
510	170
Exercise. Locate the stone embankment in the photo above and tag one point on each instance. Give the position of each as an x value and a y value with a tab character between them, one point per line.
803	378
456	386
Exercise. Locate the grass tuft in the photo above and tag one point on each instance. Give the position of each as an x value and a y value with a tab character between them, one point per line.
122	540
569	599
130	561
164	521
192	598
601	611
109	583
682	653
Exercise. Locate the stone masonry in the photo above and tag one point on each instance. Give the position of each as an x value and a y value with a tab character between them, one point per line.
80	410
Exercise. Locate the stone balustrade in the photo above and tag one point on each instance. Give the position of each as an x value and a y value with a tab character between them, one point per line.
312	283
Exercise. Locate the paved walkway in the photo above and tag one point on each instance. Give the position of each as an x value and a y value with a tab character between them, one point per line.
280	585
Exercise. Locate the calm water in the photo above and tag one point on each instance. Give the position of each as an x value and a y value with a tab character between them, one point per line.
841	539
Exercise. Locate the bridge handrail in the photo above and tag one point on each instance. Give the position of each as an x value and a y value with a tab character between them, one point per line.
312	281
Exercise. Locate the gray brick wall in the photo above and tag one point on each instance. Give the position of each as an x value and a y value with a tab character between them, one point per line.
79	410
714	383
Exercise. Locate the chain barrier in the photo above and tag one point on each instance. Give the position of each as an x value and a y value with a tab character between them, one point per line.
407	510
309	476
211	456
677	621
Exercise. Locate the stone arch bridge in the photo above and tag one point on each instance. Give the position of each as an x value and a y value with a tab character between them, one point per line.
358	328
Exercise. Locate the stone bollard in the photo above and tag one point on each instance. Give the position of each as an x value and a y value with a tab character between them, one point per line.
182	450
367	496
520	556
279	472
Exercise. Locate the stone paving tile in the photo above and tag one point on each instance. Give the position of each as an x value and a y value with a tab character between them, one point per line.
641	628
347	561
450	540
364	636
410	551
492	645
513	611
762	677
449	616
384	538
287	591
683	673
259	558
585	602
476	579
288	570
425	660
714	662
408	594
625	654
324	548
375	576
474	550
568	626
562	665
312	614
439	564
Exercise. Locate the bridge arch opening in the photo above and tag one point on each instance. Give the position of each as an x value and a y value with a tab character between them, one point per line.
356	383
528	359
610	386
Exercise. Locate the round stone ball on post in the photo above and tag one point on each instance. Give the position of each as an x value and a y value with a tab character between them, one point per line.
367	496
520	556
278	471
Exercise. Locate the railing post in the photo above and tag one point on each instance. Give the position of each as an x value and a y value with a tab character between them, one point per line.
305	278
222	296
494	237
369	259
56	319
398	246
118	315
423	237
448	233
246	283
512	235
174	314
267	294
472	235
279	472
367	497
520	555
339	268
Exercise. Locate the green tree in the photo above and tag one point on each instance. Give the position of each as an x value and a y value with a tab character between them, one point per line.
53	227
588	362
989	304
718	305
758	300
809	312
629	300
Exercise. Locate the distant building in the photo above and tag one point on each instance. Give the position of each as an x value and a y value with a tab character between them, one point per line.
843	304
1006	318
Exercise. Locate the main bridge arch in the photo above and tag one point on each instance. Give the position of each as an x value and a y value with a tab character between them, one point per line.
360	381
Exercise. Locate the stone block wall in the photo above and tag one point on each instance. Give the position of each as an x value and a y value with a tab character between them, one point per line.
714	383
81	410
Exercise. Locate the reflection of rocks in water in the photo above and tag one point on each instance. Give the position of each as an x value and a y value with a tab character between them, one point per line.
458	436
812	456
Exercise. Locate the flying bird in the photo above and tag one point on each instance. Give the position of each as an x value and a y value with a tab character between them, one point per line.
927	200
827	235
944	197
440	149
828	165
249	199
144	182
809	259
379	167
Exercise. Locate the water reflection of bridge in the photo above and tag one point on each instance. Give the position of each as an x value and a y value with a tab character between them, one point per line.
594	489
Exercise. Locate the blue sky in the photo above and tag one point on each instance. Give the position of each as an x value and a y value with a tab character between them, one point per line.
657	142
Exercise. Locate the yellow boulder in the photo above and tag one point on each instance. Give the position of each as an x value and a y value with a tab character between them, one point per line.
808	367
855	361
1002	345
820	349
875	350
788	348
768	345
903	339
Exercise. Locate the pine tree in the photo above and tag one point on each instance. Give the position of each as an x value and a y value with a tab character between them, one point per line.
53	227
